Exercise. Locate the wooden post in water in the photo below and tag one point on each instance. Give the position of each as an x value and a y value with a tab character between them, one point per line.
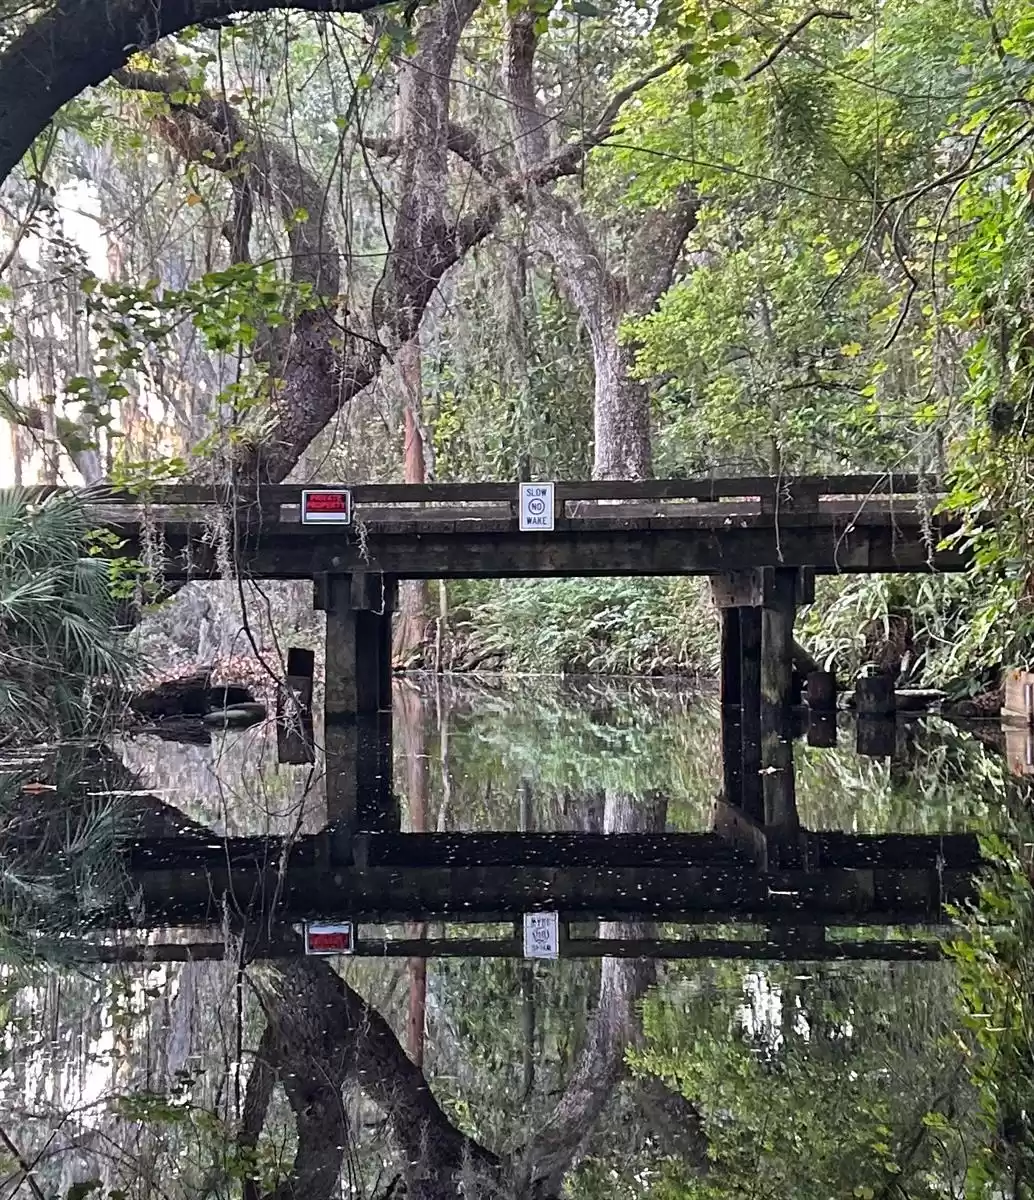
822	691
822	729
732	698
750	713
874	696
780	805
357	703
294	734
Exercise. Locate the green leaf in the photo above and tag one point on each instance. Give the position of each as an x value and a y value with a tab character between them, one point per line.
721	19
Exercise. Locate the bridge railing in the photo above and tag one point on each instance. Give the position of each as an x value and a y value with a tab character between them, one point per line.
802	493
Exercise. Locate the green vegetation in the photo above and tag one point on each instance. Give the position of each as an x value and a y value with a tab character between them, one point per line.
460	240
802	243
58	641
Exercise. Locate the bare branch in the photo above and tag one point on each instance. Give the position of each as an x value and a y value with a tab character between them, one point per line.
23	1164
568	160
461	141
465	144
835	14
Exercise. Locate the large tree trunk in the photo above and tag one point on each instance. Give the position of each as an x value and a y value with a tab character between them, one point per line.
621	412
411	622
327	1033
602	296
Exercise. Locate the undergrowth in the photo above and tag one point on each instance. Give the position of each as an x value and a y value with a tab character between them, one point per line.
919	626
576	626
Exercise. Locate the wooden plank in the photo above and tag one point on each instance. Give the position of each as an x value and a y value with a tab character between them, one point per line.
786	949
476	553
833	849
504	491
517	849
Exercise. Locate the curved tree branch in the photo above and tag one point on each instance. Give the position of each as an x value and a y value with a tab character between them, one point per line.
209	131
791	33
75	44
327	1033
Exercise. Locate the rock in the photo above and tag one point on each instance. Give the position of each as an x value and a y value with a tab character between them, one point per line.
905	700
236	716
918	699
191	696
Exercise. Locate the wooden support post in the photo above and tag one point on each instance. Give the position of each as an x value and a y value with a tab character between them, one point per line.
750	712
876	737
294	732
822	729
357	707
731	695
822	691
732	691
780	805
874	696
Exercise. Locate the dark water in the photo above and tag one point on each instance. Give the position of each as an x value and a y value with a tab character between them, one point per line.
661	1079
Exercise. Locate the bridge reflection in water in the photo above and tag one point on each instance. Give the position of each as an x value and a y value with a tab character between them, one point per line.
786	891
776	889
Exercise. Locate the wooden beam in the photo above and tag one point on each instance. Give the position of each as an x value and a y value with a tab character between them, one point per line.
516	850
860	486
777	948
394	894
612	546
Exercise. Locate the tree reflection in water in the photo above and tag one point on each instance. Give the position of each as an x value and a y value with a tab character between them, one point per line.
613	1078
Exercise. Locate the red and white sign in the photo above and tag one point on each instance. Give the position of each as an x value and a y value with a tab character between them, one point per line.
327	507
329	939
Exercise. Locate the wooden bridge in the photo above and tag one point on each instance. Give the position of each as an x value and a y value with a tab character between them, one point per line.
761	540
831	524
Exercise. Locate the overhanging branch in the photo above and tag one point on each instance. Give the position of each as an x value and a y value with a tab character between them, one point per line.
791	33
76	44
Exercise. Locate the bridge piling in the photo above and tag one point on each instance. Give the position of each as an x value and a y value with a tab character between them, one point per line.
731	704
780	805
357	719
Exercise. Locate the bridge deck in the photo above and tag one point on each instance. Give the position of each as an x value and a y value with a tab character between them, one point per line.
653	527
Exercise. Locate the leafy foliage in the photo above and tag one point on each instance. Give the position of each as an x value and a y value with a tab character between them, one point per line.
58	618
